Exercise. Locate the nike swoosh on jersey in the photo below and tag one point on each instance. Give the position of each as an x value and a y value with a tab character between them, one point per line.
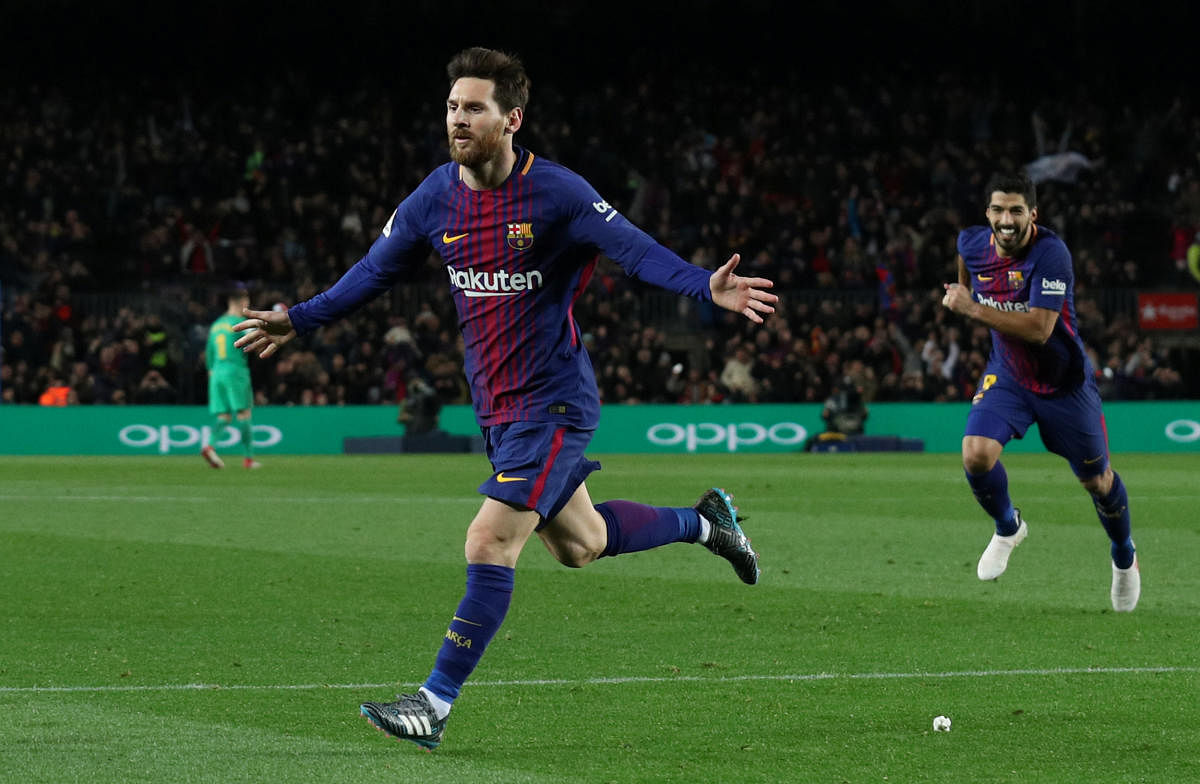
500	477
447	238
984	278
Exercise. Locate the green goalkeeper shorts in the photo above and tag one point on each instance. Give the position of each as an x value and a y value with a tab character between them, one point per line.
229	393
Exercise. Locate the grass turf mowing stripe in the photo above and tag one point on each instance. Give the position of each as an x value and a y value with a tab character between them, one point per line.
818	676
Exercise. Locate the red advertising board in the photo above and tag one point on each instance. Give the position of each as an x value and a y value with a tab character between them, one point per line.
1160	310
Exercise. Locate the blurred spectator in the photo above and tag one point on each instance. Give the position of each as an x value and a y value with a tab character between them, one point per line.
736	376
420	408
57	394
845	411
165	196
154	390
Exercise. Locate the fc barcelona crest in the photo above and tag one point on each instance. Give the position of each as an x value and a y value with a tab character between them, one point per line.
1016	279
519	235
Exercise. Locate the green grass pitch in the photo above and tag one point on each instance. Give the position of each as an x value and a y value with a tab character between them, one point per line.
164	622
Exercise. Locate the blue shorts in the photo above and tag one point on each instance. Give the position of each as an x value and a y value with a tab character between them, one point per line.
538	465
1071	425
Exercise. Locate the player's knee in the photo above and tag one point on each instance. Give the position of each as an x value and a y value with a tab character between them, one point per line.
979	454
1099	485
977	461
484	546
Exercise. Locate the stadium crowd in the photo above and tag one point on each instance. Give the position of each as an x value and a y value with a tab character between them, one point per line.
124	215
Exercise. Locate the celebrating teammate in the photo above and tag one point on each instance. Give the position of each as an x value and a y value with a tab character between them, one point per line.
519	237
230	396
1016	277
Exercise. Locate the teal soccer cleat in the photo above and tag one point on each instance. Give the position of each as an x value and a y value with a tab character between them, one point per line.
726	538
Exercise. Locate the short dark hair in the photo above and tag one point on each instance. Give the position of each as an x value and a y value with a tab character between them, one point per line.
1011	182
505	70
237	292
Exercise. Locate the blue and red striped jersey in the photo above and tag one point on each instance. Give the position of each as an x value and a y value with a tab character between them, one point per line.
516	257
1041	277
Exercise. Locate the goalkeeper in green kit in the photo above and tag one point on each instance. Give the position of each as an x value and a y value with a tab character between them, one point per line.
230	397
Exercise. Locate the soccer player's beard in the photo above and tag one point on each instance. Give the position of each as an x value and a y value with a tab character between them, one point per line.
486	148
1014	244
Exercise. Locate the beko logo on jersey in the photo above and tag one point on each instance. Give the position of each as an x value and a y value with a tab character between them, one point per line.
1019	307
1054	287
475	283
603	207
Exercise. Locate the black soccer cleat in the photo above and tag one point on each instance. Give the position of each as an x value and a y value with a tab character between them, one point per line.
726	537
410	717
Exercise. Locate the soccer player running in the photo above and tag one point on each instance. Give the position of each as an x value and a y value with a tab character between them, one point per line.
230	396
519	237
1016	277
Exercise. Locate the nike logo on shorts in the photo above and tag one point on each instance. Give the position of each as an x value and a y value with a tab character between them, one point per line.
500	477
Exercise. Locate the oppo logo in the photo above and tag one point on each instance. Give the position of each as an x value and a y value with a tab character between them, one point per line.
731	436
1183	431
167	437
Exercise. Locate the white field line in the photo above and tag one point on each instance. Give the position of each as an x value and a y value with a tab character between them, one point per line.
363	499
635	679
193	499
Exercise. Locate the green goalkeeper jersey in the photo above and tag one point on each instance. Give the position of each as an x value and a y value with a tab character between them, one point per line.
220	356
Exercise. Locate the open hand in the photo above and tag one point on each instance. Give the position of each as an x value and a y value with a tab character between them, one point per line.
266	331
741	295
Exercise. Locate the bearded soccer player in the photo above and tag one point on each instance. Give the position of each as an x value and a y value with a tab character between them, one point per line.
519	237
1016	277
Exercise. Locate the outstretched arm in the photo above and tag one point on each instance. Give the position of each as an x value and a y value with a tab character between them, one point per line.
735	293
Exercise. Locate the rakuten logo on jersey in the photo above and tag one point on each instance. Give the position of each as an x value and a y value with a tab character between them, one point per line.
474	283
1019	307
